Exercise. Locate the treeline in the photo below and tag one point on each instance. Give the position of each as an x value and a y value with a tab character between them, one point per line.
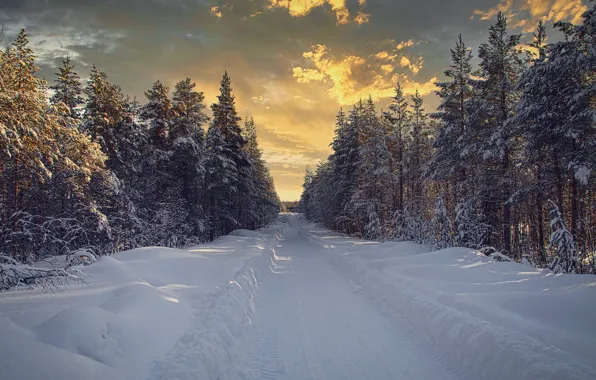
505	163
89	168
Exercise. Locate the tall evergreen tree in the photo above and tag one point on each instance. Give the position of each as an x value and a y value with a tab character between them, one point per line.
418	153
188	150
47	169
188	108
68	89
158	114
500	68
227	121
449	162
397	118
221	179
539	113
575	59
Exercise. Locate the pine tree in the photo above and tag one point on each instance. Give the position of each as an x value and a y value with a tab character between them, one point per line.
68	89
225	118
158	114
418	153
187	159
561	239
375	177
221	179
574	59
46	168
469	228
539	113
397	118
261	204
449	162
104	109
345	161
500	68
188	108
442	225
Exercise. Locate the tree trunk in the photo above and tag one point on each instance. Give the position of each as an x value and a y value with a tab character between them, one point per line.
506	205
540	227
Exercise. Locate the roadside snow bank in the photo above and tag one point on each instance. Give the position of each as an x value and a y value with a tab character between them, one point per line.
490	319
134	310
210	350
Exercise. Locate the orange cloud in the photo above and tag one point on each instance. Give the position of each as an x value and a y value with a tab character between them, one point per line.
525	14
415	67
352	77
385	56
404	44
362	18
387	68
339	7
215	11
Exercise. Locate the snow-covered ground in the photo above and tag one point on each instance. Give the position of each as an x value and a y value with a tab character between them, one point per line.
487	319
297	302
136	307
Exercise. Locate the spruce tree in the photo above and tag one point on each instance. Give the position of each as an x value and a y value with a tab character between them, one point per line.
158	114
398	118
418	153
500	68
539	113
187	162
221	179
226	120
68	89
49	205
449	162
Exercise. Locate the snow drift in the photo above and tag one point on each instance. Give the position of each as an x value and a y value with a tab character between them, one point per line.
492	320
137	307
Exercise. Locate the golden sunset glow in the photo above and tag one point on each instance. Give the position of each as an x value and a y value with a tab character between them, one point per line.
524	14
293	64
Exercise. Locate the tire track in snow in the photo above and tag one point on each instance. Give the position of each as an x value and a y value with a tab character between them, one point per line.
329	332
265	358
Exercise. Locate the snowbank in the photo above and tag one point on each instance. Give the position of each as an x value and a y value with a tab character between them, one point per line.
137	307
211	349
490	319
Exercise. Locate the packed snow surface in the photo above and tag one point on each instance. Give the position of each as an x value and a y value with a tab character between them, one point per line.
297	302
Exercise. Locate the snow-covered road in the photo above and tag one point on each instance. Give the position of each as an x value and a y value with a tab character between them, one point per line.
294	301
312	324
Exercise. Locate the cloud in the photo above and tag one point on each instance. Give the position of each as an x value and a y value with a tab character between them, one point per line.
525	14
387	68
300	8
53	45
352	77
385	56
415	67
215	11
404	44
293	97
362	18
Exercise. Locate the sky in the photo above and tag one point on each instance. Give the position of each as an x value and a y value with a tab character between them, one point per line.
293	64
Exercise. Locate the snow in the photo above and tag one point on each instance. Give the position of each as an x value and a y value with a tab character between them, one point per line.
490	319
136	307
295	302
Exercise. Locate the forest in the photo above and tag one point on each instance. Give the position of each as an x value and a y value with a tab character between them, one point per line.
503	166
87	171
